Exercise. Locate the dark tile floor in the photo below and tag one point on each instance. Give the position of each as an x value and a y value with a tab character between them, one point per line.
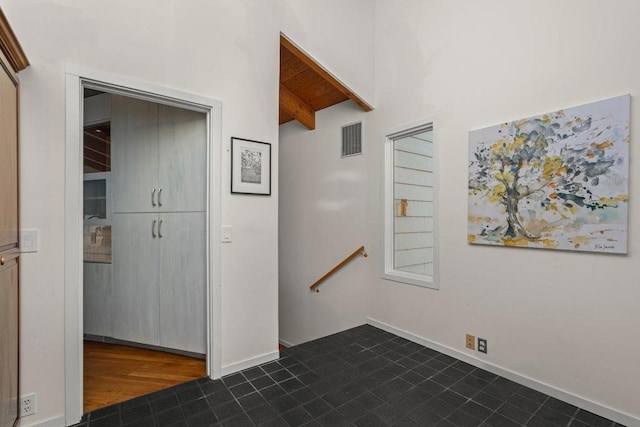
360	377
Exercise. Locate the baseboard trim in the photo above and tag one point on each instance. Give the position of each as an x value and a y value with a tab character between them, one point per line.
286	344
250	363
58	421
589	405
109	340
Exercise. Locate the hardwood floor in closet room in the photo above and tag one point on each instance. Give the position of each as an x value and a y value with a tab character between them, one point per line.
115	373
155	294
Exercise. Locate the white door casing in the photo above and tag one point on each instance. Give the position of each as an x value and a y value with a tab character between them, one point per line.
77	78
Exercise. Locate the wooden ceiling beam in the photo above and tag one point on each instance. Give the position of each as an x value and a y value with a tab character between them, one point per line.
283	116
297	108
326	75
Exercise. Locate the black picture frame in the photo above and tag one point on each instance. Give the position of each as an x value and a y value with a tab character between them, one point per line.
250	167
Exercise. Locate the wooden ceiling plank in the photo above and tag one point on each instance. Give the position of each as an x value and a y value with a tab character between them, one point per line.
291	67
304	85
319	95
297	108
314	91
311	63
328	100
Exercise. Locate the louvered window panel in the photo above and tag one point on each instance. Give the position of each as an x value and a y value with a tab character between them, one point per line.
352	139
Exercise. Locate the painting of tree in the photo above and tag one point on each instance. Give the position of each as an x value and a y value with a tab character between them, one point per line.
558	180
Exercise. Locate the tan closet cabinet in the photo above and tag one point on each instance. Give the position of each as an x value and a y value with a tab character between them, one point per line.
12	60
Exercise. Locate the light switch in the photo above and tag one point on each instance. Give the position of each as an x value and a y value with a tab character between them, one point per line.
28	241
226	234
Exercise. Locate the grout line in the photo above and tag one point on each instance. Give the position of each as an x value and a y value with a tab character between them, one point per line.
386	354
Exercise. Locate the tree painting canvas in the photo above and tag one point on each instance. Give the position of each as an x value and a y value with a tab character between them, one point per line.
558	181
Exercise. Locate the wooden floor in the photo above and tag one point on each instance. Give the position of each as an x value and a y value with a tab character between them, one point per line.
115	373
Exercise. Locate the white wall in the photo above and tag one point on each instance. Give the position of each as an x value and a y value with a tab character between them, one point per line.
568	320
564	319
339	35
322	220
222	49
571	323
319	191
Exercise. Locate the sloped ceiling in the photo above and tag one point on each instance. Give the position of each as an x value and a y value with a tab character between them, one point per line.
306	87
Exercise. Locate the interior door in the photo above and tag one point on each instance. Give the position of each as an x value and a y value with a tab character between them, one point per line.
135	313
134	154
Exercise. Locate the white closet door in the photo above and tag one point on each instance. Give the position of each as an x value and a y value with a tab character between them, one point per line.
134	154
135	311
182	282
183	159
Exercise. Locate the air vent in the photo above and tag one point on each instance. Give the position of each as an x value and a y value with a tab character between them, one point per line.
352	139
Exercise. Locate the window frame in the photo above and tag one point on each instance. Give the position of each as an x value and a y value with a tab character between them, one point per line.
388	270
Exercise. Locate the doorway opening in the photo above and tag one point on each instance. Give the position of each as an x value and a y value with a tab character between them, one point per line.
144	322
147	297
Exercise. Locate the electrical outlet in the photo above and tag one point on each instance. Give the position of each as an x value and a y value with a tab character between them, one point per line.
482	345
28	405
471	342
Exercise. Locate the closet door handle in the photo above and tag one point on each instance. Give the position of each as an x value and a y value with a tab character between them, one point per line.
160	200
153	197
160	229
153	228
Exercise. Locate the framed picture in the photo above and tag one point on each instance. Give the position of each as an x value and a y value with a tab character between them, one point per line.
555	181
250	167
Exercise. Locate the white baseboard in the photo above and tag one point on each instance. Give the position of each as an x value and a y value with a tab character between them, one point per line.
58	421
250	363
286	344
581	402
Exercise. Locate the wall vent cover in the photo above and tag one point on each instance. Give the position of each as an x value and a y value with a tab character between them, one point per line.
352	139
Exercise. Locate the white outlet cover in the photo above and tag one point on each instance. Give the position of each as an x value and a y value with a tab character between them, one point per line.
28	404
